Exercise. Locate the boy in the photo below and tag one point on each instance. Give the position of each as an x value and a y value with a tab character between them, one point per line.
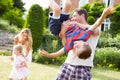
56	20
58	15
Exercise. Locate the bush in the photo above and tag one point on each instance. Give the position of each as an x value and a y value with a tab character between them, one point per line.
106	40
35	22
13	29
51	44
107	57
4	25
6	53
114	28
91	20
45	60
14	16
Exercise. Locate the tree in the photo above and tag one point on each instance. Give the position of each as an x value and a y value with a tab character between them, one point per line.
13	11
19	4
35	21
91	20
46	11
115	21
14	16
5	5
94	10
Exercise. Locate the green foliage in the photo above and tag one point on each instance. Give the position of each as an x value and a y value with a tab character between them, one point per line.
4	25
106	40
5	5
115	25
94	11
6	53
87	7
46	12
107	57
91	20
14	16
51	44
12	11
19	4
35	21
45	60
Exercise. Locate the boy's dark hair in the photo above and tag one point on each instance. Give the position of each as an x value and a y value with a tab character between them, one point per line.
86	53
82	11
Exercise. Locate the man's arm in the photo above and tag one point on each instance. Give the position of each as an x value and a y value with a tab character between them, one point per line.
106	12
51	55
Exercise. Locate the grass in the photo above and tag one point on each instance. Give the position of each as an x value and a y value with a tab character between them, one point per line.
105	74
49	72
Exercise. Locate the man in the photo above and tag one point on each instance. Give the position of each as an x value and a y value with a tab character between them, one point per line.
75	68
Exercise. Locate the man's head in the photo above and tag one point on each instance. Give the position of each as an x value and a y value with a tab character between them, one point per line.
82	49
80	15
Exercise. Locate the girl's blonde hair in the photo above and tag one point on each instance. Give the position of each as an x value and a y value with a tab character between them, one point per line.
19	48
29	41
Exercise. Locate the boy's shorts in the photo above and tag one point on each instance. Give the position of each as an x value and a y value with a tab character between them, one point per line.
55	24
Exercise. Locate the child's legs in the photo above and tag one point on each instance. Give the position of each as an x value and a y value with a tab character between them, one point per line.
55	7
75	4
24	78
54	20
10	79
66	6
58	2
65	10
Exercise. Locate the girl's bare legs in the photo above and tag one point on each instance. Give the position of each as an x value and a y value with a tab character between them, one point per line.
10	79
25	78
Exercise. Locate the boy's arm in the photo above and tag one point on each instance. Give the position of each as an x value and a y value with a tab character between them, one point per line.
62	33
62	36
51	55
82	26
106	12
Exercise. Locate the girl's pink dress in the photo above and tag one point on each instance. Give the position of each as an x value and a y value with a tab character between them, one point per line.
19	73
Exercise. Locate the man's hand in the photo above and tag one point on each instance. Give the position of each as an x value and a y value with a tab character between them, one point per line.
108	10
43	53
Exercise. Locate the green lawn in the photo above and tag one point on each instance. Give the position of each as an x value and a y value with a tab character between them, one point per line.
49	72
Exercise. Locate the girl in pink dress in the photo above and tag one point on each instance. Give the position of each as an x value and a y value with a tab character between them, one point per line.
19	70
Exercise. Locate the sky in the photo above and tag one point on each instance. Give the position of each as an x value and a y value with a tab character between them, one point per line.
28	3
43	3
